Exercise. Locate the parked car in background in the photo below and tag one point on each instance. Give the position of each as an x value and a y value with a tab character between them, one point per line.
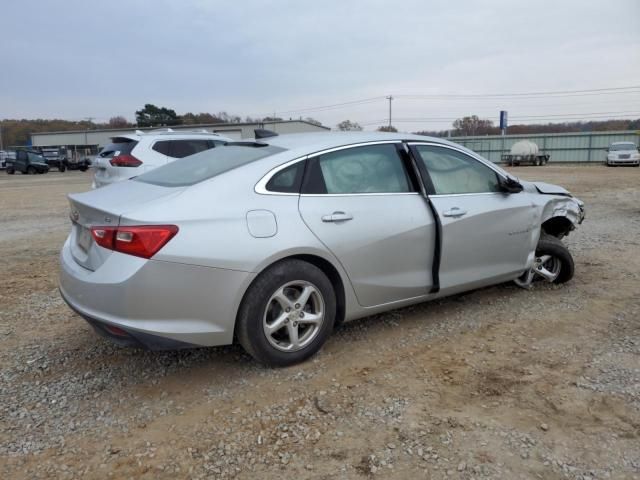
27	161
82	165
623	153
55	158
275	241
140	152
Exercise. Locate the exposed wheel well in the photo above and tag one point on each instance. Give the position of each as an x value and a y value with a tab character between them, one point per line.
334	277
332	274
557	226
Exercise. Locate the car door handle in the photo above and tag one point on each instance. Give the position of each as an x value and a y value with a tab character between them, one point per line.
454	212
337	217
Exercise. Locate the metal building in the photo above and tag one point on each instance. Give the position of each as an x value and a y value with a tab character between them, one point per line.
80	143
562	147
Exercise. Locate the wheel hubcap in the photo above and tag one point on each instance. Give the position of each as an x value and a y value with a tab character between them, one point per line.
293	316
547	267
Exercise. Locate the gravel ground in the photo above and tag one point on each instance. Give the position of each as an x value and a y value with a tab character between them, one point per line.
496	383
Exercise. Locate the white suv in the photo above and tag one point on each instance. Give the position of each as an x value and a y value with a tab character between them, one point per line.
136	153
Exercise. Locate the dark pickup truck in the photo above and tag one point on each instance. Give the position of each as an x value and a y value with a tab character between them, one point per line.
27	162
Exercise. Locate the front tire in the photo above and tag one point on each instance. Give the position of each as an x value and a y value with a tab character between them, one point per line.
62	168
557	259
287	314
553	263
10	171
31	171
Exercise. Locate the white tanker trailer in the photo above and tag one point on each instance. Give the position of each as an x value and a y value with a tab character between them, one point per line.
523	152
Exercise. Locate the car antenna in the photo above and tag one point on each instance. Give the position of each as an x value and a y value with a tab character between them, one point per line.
262	133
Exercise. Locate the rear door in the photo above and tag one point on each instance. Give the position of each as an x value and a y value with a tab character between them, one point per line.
362	202
107	173
487	234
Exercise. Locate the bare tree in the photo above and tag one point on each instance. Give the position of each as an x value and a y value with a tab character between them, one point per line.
472	125
348	125
118	122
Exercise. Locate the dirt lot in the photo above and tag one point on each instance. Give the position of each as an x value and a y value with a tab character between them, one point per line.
497	383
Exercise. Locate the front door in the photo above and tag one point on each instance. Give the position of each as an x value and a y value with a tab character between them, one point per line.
487	234
364	206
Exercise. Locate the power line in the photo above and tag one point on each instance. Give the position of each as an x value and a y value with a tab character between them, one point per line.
328	107
595	91
555	117
634	89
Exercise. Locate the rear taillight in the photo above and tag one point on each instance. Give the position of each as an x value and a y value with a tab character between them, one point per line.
125	161
142	241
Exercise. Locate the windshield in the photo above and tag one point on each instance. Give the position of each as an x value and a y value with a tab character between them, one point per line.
623	146
204	165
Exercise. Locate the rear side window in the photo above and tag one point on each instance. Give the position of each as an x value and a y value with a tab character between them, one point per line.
183	148
287	180
119	146
368	169
205	165
162	147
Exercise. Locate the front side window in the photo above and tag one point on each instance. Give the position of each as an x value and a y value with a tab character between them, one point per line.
367	169
454	172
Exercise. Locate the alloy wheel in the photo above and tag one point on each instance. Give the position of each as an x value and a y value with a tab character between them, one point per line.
293	316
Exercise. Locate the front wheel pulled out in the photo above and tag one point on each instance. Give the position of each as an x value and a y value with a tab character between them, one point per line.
553	263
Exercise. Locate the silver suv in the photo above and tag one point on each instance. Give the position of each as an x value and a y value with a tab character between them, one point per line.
133	154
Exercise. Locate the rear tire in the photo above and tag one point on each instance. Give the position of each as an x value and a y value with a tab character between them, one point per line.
31	171
10	171
549	245
62	168
271	303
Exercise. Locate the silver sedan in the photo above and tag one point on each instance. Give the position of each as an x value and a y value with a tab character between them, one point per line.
274	242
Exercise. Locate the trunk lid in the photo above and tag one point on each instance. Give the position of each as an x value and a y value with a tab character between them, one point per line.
104	207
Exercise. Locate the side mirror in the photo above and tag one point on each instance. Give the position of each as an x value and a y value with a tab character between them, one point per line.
510	185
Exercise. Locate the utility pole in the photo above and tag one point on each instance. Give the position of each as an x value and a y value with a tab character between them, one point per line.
86	132
390	98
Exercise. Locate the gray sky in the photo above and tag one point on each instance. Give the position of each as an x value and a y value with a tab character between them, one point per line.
73	59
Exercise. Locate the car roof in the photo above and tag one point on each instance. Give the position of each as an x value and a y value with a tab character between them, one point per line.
168	133
317	141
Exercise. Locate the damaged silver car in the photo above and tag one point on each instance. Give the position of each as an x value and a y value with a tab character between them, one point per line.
275	241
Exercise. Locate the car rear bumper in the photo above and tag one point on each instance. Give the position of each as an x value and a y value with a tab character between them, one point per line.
155	304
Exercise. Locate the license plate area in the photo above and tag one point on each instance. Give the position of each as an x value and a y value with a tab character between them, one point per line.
84	238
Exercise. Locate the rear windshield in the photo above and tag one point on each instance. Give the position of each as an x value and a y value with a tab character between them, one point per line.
623	146
204	165
121	145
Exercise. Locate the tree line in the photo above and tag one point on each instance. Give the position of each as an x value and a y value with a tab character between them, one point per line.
473	125
18	132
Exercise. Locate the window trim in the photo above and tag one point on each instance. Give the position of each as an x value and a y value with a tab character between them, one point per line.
423	169
261	186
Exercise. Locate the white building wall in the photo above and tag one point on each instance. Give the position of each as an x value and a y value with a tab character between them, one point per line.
235	131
